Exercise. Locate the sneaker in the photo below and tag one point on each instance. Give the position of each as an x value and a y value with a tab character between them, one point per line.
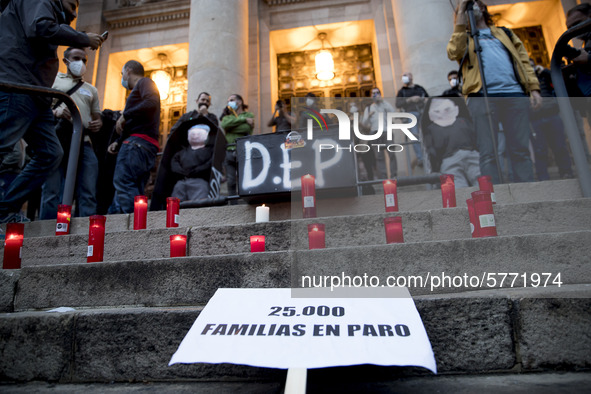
14	217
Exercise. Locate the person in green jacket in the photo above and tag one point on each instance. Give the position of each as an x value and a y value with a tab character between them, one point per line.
236	122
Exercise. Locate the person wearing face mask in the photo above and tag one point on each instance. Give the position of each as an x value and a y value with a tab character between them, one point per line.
454	83
411	99
137	146
450	140
236	122
371	118
304	115
30	32
510	79
86	98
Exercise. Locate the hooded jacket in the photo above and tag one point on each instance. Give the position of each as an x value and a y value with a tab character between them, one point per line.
456	48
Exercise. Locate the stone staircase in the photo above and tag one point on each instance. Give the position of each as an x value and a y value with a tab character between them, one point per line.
133	309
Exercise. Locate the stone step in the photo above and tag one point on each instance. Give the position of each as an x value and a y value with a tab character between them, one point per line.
408	201
509	331
339	380
459	265
342	231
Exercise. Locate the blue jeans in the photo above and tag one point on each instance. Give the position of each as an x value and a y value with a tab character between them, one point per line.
134	162
415	131
21	116
513	113
85	191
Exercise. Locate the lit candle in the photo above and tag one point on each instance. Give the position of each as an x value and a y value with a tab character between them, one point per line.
448	191
257	243
393	227
485	216
309	196
13	244
140	212
262	214
316	236
474	227
178	245
485	184
172	212
96	239
390	195
64	214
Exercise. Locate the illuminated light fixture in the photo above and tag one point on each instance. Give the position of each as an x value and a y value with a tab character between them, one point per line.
162	78
324	62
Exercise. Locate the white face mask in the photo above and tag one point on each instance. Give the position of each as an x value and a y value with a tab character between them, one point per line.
453	82
477	11
77	68
124	83
405	79
309	102
443	112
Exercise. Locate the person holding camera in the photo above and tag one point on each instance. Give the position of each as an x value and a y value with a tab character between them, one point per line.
281	119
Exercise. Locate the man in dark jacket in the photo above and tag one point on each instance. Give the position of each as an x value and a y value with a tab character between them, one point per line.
138	145
30	32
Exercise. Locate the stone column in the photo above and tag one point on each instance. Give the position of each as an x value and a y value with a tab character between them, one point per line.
423	28
218	51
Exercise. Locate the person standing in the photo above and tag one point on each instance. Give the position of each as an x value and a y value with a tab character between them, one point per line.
509	80
371	118
236	122
203	104
86	98
411	99
281	119
138	127
30	32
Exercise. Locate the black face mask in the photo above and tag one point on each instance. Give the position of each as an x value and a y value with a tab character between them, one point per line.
63	17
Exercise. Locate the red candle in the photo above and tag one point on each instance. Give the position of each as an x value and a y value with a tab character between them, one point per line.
474	226
172	212
484	214
140	212
96	239
390	195
178	245
64	214
309	196
393	227
485	184
257	243
316	236
448	190
13	244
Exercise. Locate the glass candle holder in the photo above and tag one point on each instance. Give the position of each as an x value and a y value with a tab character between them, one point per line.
172	211
485	216
486	185
393	226
316	236
140	212
178	245
96	239
390	195
309	196
474	226
448	190
64	216
13	244
257	243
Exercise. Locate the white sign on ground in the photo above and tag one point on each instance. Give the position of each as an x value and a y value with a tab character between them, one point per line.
269	328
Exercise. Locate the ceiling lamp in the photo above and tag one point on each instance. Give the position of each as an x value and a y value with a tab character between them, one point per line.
162	78
324	62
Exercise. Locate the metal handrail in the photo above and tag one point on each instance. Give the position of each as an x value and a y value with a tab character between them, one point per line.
566	110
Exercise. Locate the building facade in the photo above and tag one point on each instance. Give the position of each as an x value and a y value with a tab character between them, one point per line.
264	49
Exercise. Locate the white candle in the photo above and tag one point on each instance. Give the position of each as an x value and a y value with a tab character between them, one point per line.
262	214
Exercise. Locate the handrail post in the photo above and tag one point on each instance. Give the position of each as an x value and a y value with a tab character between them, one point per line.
566	110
